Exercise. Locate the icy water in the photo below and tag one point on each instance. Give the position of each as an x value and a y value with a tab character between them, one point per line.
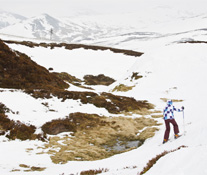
122	146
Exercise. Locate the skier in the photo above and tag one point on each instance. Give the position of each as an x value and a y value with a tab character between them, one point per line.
168	114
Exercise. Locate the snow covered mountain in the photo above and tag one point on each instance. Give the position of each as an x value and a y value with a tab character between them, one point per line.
46	27
7	19
121	31
40	27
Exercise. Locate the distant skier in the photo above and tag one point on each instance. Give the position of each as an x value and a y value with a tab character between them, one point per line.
168	114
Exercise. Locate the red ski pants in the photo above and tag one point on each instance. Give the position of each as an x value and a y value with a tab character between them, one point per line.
167	124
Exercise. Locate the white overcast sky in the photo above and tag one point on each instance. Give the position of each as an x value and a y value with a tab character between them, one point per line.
66	7
31	8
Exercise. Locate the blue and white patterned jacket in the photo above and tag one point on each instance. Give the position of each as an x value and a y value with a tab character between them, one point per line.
168	112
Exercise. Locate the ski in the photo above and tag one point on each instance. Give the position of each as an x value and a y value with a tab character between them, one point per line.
171	140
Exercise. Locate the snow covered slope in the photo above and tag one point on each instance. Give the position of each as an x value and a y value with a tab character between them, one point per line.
170	70
176	71
80	62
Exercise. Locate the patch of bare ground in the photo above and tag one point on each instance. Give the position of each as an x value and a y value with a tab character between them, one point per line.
75	46
125	88
94	137
67	77
100	79
112	103
122	88
136	76
17	129
71	79
27	168
93	172
173	100
157	116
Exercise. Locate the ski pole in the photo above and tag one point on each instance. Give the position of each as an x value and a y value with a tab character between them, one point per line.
184	123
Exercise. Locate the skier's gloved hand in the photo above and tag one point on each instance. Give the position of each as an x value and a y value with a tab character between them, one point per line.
182	107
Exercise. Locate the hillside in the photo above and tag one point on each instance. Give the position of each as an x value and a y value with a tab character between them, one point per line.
85	107
90	99
49	110
57	114
20	72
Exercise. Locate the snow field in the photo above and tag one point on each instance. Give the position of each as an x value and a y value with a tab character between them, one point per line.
185	63
171	70
176	71
79	62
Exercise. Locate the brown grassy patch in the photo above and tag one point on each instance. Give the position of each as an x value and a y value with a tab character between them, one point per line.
18	71
67	77
136	76
24	166
72	123
58	126
93	172
125	104
21	131
3	109
98	80
96	136
147	133
173	100
35	168
142	111
122	88
71	79
157	116
113	103
15	170
28	168
17	129
76	46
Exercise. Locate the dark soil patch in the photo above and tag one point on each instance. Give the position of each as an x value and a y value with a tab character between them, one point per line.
98	80
72	123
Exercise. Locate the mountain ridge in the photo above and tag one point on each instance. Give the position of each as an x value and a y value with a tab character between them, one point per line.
8	19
